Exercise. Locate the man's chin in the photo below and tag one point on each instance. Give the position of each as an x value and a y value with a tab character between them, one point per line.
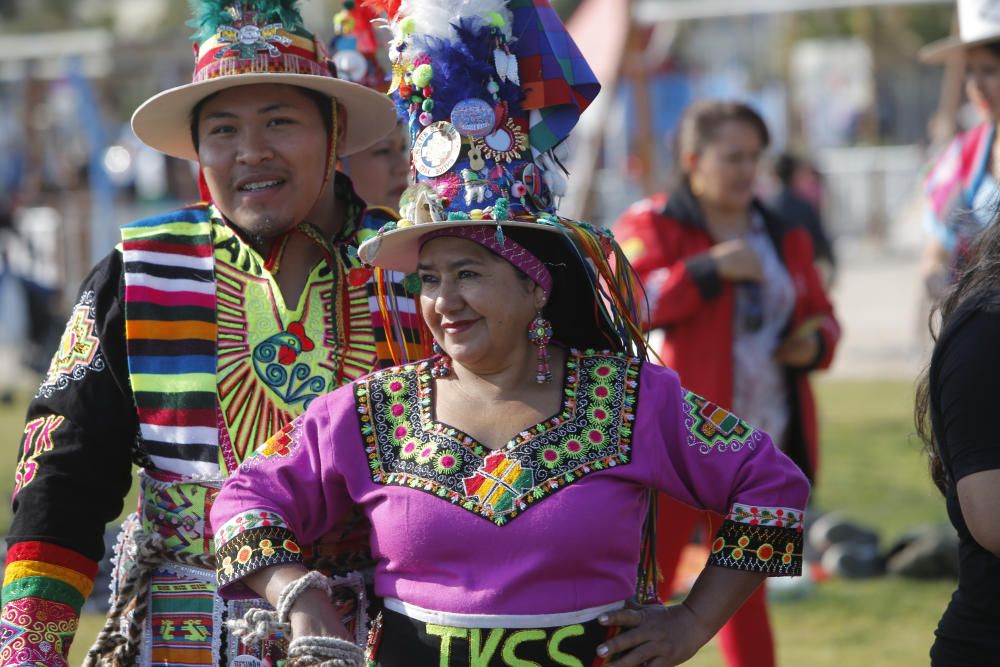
262	228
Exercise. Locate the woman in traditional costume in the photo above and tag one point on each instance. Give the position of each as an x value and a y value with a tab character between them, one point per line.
508	478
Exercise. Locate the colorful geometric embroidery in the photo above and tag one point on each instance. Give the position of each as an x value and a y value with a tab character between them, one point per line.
254	549
406	447
36	632
185	616
37	441
178	512
281	444
712	428
79	350
757	548
782	517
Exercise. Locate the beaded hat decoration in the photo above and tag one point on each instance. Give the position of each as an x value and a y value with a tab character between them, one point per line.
245	42
489	89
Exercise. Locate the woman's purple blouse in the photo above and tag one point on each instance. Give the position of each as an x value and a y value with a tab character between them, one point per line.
552	522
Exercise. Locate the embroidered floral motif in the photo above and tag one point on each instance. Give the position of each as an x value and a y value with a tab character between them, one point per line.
254	549
755	515
79	351
758	548
406	447
712	428
245	521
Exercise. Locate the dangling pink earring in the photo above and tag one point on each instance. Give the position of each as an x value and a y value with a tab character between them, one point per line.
441	367
540	333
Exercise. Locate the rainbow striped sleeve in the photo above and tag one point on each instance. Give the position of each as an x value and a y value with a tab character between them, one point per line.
44	587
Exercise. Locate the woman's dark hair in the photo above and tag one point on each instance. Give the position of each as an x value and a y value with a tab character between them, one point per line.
701	122
322	101
979	281
572	306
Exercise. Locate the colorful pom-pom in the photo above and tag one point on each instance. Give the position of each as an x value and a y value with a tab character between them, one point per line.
427	91
493	87
476	214
426	118
428	105
501	209
456	215
494	19
407	26
422	75
405	90
519	189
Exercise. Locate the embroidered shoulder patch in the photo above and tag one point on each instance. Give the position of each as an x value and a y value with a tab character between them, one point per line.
278	446
711	428
79	351
406	447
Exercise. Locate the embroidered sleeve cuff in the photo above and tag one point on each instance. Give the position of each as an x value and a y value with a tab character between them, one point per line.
36	632
44	587
760	539
251	550
705	275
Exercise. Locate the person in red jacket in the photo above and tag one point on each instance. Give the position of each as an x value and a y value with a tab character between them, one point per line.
744	313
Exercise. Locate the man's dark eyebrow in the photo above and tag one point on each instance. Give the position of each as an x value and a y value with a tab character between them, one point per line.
453	265
219	114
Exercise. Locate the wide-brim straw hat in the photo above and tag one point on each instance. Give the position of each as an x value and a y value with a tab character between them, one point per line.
282	54
978	24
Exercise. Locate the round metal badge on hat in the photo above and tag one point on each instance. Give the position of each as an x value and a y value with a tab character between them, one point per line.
436	148
473	117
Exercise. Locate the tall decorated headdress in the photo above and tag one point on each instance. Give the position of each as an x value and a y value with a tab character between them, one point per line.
245	42
489	89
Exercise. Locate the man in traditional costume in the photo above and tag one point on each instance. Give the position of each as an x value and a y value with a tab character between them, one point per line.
204	332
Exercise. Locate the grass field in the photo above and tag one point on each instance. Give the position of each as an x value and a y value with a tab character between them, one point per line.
872	471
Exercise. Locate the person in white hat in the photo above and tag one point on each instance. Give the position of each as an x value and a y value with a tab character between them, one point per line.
963	184
203	333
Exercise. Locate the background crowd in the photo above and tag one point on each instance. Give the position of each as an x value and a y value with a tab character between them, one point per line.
841	120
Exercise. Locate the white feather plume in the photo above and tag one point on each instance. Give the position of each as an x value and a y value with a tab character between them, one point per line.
433	18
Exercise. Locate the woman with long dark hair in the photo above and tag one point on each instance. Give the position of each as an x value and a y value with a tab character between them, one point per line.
959	387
